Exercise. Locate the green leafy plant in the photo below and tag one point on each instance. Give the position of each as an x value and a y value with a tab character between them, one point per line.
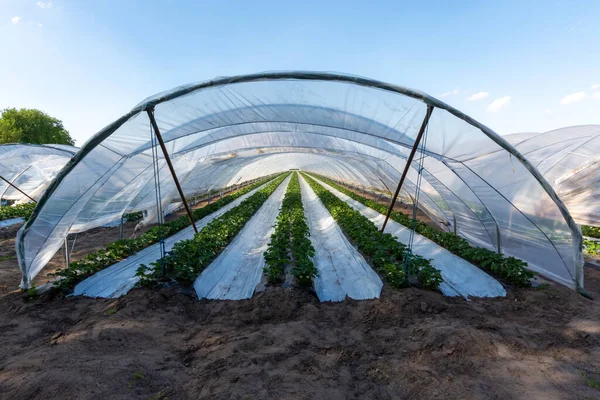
134	216
16	211
189	258
591	231
291	236
510	269
591	246
121	249
392	259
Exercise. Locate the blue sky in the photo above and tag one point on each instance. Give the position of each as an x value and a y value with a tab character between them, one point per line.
533	65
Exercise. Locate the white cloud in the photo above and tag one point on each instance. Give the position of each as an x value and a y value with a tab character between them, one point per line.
478	96
572	98
499	103
596	86
15	20
596	95
41	4
450	93
40	25
548	111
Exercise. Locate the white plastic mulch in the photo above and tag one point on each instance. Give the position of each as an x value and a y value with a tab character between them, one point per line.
343	272
236	272
461	278
118	279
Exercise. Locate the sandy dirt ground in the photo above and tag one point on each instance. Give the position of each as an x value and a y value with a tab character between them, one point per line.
539	343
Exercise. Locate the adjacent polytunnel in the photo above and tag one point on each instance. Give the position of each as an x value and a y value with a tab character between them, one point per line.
352	129
26	170
569	159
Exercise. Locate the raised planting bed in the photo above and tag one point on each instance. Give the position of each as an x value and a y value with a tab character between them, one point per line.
189	258
394	260
290	244
119	250
510	269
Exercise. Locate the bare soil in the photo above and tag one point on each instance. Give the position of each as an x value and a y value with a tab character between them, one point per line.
539	343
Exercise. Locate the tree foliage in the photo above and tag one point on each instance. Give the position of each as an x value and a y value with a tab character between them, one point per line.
32	126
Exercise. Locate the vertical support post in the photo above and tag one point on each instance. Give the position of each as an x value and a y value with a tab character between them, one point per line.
454	224
67	255
121	229
409	160
498	239
20	191
150	112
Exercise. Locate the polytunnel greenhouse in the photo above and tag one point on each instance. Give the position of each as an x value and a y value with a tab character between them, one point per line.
335	127
568	158
26	170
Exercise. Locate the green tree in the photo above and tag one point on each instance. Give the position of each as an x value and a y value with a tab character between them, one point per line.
29	125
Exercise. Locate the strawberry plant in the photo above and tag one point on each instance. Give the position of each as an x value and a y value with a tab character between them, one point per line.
291	238
17	211
591	231
392	259
189	258
121	249
510	269
591	247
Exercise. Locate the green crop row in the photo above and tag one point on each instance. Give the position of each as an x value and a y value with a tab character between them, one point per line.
591	231
121	249
510	269
591	247
20	210
189	258
291	237
390	257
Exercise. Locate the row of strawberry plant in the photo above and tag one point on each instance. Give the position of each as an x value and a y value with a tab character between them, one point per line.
393	259
189	258
591	231
510	269
19	210
591	247
121	249
291	237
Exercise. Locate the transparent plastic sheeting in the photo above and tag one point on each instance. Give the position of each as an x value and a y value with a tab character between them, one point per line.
461	278
237	271
569	160
30	168
118	279
343	271
347	128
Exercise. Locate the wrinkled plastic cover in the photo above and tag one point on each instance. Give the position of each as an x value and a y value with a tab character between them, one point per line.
461	278
31	168
348	128
343	271
569	159
237	271
118	279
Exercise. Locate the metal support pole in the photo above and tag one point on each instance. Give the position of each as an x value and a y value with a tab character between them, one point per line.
454	218
498	239
67	255
121	229
150	112
408	163
20	191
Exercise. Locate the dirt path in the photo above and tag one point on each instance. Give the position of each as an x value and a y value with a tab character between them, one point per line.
534	344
